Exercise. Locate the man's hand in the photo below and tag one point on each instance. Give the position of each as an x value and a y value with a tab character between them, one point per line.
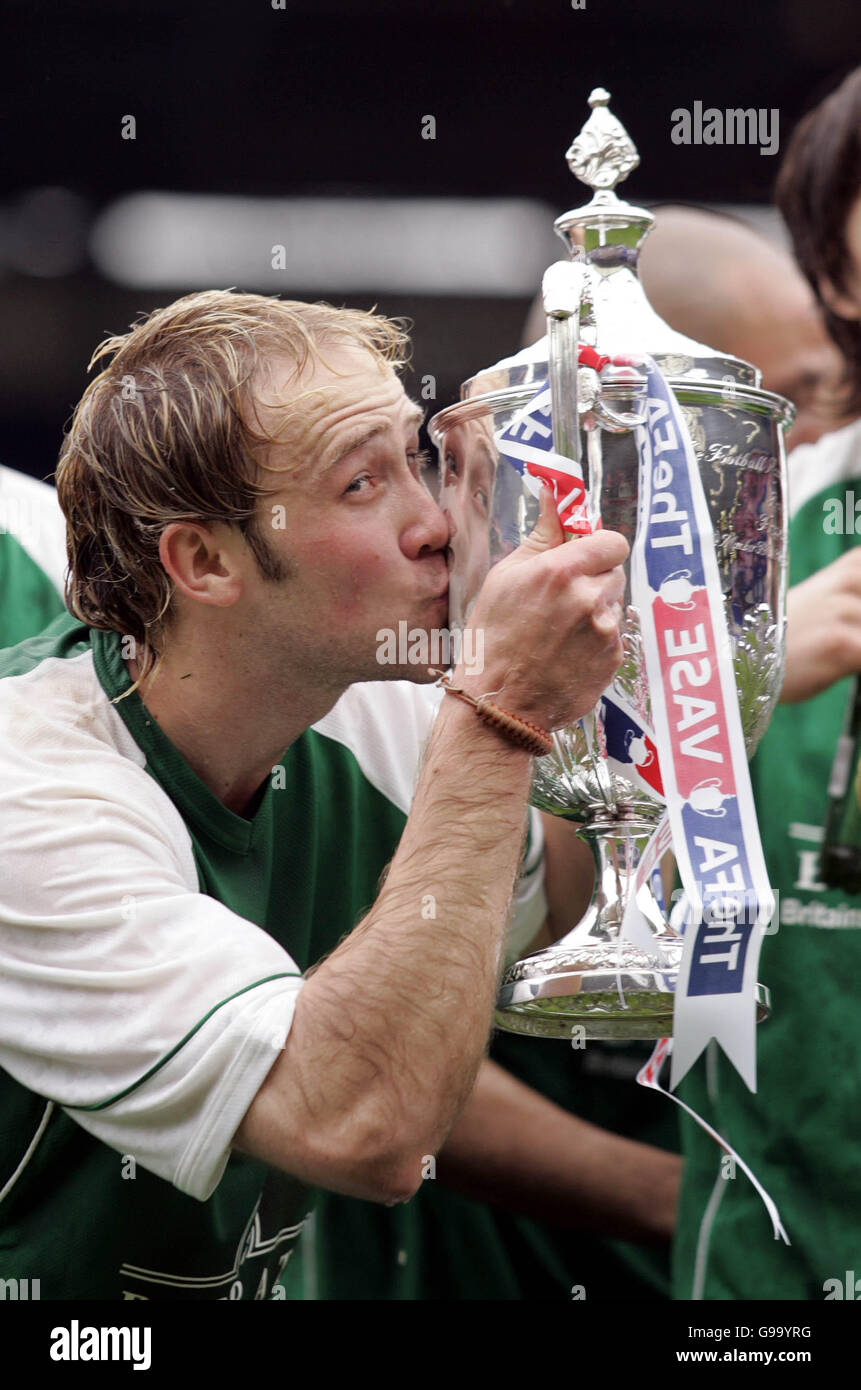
823	629
550	614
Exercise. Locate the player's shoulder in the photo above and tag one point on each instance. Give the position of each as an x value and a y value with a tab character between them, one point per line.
15	484
52	704
815	468
65	750
30	511
385	726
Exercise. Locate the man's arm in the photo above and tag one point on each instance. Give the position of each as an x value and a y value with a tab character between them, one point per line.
569	877
513	1148
389	1031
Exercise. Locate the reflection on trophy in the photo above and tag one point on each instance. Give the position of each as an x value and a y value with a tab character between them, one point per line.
605	772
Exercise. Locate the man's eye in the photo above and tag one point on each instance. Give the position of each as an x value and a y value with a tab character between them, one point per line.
483	500
358	484
450	465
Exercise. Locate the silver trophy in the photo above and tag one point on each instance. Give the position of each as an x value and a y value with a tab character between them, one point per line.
593	978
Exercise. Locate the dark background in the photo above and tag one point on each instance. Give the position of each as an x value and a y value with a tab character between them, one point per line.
326	98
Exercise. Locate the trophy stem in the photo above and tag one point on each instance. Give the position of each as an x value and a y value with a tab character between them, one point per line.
592	982
617	848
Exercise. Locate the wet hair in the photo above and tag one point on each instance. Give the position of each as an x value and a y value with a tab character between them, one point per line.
169	432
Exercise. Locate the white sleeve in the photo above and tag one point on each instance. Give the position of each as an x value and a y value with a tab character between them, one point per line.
149	1011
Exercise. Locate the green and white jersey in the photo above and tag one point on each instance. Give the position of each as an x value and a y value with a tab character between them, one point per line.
800	1132
32	556
152	945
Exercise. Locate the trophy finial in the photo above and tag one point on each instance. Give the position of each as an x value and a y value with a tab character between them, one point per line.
603	154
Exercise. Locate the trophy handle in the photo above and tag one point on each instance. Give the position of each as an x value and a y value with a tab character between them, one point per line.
613	377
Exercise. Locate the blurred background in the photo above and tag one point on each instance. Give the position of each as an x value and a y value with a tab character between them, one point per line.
404	153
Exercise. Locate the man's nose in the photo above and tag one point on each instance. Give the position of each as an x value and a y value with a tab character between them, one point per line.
428	526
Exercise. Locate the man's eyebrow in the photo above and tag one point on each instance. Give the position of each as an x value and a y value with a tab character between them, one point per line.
415	418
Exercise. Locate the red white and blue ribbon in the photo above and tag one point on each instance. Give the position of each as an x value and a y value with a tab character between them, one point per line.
631	747
676	586
527	443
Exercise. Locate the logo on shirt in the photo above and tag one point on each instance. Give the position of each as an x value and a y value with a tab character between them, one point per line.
256	1258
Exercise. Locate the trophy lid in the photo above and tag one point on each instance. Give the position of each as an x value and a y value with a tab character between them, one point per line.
607	233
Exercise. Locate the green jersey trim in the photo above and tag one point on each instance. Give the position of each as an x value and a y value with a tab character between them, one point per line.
157	1066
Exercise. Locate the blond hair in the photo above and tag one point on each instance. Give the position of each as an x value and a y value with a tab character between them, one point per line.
164	434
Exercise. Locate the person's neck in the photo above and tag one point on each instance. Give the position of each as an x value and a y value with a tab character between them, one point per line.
230	721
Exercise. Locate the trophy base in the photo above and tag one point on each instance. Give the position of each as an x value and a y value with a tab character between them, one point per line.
607	990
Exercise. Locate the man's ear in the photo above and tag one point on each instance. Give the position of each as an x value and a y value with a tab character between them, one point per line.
201	561
843	305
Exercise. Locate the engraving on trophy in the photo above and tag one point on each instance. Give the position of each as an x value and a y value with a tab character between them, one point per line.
755	460
758	660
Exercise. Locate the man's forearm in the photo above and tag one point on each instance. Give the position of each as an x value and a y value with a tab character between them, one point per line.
513	1148
388	1033
390	1030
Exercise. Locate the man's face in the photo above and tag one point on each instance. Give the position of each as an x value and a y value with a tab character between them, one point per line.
786	339
360	537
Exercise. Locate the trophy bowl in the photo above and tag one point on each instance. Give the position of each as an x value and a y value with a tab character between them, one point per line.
603	773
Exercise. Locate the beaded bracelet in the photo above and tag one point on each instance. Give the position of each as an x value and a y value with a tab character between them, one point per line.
535	740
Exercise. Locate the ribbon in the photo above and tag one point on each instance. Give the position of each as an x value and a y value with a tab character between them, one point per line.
527	443
632	750
648	1076
675	584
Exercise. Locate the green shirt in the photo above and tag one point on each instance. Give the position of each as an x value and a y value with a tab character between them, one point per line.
129	1062
32	556
28	599
800	1132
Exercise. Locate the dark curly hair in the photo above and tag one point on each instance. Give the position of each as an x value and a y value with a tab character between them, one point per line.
817	187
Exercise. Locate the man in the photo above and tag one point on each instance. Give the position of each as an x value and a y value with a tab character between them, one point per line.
32	545
245	512
724	284
799	1132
